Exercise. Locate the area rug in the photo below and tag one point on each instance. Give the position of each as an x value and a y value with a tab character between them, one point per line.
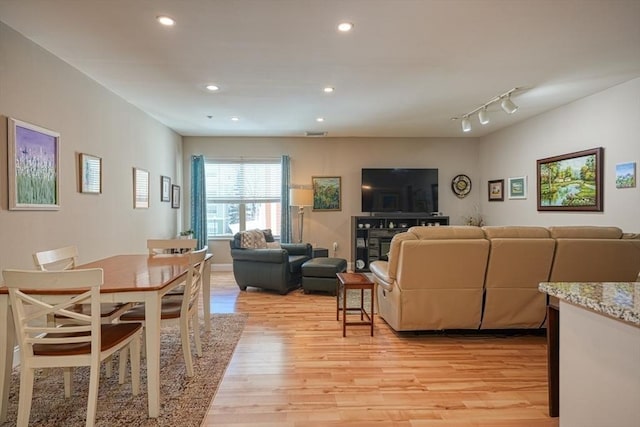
184	401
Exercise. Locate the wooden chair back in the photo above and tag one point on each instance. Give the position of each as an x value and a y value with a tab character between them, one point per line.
159	246
56	259
193	283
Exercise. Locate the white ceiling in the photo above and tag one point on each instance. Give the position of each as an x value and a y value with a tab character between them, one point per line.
406	68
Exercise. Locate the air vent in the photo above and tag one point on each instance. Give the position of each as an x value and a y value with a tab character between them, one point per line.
315	134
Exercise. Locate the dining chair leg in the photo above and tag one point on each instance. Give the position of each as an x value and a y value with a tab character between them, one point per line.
92	403
68	383
195	323
122	365
108	366
186	345
135	366
25	396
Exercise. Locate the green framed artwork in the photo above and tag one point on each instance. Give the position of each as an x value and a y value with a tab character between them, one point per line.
518	187
571	182
327	193
626	175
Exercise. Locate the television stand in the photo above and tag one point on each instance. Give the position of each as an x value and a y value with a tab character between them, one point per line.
371	235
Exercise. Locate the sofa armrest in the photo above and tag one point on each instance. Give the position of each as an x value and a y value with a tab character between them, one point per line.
276	256
298	248
380	271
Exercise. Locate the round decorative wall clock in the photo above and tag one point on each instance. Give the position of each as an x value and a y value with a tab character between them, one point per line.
461	185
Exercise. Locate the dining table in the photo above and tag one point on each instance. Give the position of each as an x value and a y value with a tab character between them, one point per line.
127	279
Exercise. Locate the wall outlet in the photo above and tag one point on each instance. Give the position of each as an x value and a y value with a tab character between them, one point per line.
335	246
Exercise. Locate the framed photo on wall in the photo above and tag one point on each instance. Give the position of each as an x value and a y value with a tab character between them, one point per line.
140	188
571	182
175	196
496	190
165	188
327	193
90	173
34	167
518	187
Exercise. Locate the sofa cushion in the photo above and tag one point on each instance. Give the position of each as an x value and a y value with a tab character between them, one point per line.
516	232
585	232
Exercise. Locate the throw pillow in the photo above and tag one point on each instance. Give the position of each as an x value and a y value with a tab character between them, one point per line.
273	245
268	235
258	239
246	240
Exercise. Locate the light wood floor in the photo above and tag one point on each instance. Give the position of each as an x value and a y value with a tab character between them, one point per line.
292	367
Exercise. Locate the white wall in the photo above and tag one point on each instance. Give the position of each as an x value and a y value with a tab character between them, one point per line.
345	157
609	119
39	88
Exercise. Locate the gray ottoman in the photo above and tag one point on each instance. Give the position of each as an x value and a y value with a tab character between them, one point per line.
319	274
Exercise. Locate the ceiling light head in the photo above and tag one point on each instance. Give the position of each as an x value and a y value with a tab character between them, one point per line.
165	20
320	119
483	116
328	89
213	88
345	27
234	119
508	106
466	124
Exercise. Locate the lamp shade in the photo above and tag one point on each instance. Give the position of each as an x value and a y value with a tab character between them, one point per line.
300	197
508	106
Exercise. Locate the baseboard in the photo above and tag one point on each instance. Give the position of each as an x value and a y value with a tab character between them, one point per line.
221	267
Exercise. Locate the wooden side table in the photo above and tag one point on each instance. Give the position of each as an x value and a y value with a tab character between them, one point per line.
354	281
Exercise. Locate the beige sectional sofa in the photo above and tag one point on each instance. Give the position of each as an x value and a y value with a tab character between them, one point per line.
463	277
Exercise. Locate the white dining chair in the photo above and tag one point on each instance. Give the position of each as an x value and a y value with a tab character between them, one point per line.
183	308
86	342
65	259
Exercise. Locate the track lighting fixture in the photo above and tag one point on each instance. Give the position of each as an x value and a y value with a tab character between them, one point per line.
508	106
483	115
466	124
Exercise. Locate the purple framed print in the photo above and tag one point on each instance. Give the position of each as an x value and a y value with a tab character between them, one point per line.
33	164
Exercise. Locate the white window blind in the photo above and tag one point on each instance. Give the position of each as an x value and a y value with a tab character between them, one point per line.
245	181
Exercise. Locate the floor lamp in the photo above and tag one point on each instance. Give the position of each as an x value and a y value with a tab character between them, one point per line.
300	197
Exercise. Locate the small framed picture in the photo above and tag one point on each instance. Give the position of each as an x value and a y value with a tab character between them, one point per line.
175	196
165	189
518	187
90	174
496	190
140	188
626	175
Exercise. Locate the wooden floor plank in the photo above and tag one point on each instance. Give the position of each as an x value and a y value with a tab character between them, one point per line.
292	367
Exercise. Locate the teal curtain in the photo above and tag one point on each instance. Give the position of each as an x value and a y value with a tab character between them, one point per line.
285	220
198	201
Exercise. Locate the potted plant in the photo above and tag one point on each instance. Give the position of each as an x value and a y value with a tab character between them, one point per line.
186	234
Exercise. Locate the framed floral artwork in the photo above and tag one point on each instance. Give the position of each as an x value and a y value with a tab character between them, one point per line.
496	190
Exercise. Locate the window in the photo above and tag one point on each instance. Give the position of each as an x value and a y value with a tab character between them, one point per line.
242	195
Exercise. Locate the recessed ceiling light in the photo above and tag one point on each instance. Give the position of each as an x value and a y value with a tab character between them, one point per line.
328	89
235	119
166	20
320	119
345	26
213	88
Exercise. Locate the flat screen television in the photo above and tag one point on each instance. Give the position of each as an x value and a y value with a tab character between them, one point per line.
399	190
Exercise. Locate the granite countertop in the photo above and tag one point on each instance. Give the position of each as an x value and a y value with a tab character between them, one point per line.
620	300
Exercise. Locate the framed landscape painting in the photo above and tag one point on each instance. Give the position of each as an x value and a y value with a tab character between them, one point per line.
626	175
34	168
571	182
326	193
